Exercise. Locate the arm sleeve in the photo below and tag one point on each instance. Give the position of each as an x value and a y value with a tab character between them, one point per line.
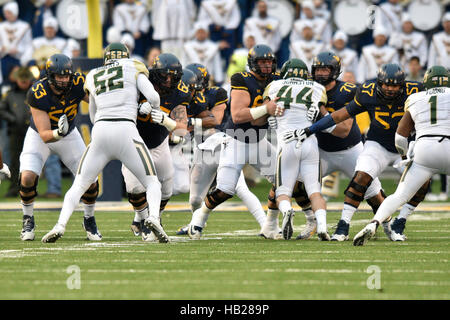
221	97
92	108
146	88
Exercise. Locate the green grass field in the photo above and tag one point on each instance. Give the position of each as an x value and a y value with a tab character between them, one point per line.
230	262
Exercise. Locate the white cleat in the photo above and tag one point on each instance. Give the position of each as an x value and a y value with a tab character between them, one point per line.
322	232
54	234
271	233
155	226
365	234
287	226
387	228
194	232
27	233
397	237
309	231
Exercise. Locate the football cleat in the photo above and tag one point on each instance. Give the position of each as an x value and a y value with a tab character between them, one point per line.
397	227
155	226
183	231
195	232
136	228
341	233
365	234
28	225
288	224
147	234
322	232
308	232
387	228
54	234
90	227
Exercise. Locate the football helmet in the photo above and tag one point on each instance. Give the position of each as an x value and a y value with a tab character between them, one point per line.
294	68
191	80
390	74
326	59
436	76
115	51
201	72
165	65
59	64
261	52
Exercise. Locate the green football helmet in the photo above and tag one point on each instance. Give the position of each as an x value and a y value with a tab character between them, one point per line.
294	68
436	76
115	51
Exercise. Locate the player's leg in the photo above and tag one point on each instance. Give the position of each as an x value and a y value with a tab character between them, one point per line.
70	150
181	170
310	174
34	154
250	200
411	181
232	160
287	171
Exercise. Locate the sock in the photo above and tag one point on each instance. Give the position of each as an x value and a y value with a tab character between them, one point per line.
405	211
347	212
284	206
89	210
253	204
321	217
141	214
200	216
28	209
309	214
137	217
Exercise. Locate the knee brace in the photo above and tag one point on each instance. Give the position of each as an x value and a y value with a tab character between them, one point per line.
420	194
137	199
300	195
90	196
216	197
356	187
162	204
28	193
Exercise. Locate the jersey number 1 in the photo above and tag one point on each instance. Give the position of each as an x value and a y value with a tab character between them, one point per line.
433	101
113	82
303	97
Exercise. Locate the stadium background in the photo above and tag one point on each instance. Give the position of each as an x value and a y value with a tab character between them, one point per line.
33	13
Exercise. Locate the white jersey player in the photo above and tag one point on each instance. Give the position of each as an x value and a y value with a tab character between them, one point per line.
297	95
113	107
428	113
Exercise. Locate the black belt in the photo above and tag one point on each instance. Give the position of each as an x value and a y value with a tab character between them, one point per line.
435	136
116	120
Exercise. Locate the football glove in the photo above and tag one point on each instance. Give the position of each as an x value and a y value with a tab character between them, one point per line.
163	119
313	113
145	108
63	128
4	172
273	123
299	135
176	139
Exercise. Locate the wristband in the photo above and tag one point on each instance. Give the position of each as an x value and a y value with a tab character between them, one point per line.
169	123
258	112
56	134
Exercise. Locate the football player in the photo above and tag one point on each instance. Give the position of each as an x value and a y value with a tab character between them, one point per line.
297	95
339	149
207	153
113	107
53	102
428	114
4	169
384	99
246	129
165	75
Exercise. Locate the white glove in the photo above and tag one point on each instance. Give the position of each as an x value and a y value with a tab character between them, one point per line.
4	172
299	135
409	156
176	139
313	113
145	108
63	125
273	123
163	119
279	110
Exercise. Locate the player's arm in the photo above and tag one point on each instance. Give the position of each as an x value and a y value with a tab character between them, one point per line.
218	110
208	119
146	88
179	114
405	127
263	120
42	122
92	108
343	129
86	98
